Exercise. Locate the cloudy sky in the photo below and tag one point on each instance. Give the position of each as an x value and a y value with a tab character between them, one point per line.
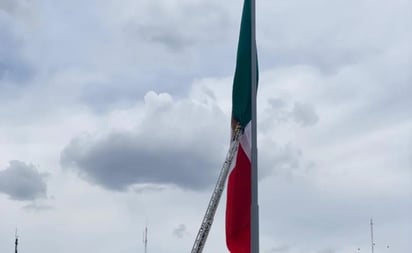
116	114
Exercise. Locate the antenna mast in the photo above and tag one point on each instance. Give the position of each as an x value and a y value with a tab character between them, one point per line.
16	243
145	239
372	242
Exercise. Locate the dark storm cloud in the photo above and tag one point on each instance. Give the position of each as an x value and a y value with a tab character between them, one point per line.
21	181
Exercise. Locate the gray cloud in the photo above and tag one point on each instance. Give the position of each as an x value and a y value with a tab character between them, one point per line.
277	103
180	231
121	160
21	181
162	151
305	114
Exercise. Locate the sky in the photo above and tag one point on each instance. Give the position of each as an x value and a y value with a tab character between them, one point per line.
115	115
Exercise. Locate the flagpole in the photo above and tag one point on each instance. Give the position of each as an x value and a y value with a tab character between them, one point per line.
254	177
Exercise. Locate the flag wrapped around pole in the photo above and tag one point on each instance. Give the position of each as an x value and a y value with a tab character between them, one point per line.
239	227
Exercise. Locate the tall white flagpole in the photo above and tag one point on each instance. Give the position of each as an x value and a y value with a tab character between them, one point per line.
254	201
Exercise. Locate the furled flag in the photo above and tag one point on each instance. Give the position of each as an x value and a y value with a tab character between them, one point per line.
238	206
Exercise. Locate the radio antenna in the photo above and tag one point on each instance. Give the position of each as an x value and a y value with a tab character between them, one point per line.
145	239
372	242
16	242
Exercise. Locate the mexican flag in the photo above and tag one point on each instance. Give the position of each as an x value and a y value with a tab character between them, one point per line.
238	206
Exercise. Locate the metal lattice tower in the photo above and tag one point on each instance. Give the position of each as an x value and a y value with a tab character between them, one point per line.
217	193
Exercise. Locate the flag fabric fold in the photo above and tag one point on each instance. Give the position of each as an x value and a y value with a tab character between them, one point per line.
238	205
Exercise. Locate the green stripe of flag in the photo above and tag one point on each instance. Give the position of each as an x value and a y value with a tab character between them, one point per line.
242	88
